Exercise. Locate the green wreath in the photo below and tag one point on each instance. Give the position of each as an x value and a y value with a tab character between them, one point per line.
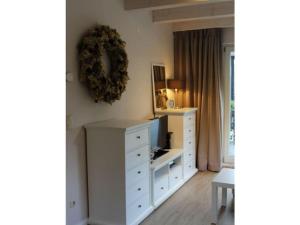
102	87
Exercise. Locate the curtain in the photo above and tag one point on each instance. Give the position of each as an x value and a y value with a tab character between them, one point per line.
198	61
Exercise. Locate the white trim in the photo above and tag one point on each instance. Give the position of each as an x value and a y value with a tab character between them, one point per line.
99	222
83	222
228	165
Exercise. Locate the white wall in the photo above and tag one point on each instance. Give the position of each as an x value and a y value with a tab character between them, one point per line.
146	43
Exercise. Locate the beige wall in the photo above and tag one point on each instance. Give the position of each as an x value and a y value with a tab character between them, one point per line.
146	43
228	36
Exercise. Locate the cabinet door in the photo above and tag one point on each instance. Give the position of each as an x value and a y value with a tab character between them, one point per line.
189	119
161	187
136	174
189	166
161	182
138	190
137	157
175	175
137	139
136	209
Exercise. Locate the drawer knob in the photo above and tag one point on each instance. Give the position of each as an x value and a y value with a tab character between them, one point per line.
138	137
190	130
139	155
190	154
139	206
162	188
139	172
190	118
176	177
190	142
190	166
139	189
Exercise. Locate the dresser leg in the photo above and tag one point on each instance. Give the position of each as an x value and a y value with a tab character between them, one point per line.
214	203
224	196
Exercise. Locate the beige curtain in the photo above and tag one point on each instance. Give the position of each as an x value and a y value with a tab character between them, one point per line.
197	60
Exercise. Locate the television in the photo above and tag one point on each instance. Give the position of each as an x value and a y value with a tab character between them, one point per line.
159	132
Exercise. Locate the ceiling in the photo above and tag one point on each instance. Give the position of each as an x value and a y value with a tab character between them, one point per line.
188	14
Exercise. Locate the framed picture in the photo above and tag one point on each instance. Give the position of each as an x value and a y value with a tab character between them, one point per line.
171	104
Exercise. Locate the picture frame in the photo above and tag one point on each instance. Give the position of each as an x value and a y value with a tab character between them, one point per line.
171	104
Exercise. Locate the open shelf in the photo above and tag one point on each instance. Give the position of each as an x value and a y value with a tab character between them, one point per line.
166	158
167	175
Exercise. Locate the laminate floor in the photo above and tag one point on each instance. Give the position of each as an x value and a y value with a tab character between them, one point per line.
191	204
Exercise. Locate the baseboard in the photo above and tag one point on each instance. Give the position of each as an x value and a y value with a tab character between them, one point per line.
99	222
228	165
83	222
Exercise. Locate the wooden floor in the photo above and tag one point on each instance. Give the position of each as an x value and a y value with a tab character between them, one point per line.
190	205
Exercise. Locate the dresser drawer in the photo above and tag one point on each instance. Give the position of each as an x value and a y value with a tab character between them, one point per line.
175	175
137	173
136	209
189	120
189	131
189	154
161	187
137	139
137	157
189	143
137	190
189	166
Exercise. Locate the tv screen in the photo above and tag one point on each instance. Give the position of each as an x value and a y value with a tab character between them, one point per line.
159	131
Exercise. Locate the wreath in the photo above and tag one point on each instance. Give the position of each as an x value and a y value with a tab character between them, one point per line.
102	86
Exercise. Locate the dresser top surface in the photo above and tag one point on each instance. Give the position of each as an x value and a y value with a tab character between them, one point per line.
180	111
164	159
119	124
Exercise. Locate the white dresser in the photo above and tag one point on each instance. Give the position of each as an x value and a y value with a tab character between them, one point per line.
118	161
182	122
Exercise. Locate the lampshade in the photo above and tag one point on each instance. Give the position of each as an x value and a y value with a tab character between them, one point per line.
176	84
160	85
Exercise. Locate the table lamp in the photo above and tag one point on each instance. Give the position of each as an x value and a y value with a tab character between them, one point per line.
176	85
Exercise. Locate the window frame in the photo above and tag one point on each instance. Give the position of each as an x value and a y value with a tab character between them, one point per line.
227	87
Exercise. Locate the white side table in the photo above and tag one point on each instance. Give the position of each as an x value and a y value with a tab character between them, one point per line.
225	179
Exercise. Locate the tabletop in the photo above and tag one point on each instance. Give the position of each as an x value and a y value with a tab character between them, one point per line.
225	177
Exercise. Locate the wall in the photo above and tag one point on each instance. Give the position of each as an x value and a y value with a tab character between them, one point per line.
146	43
228	36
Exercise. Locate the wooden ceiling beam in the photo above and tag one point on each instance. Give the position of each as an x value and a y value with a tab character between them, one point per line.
204	24
160	4
204	11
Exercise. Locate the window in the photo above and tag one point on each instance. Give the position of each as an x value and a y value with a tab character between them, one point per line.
229	107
